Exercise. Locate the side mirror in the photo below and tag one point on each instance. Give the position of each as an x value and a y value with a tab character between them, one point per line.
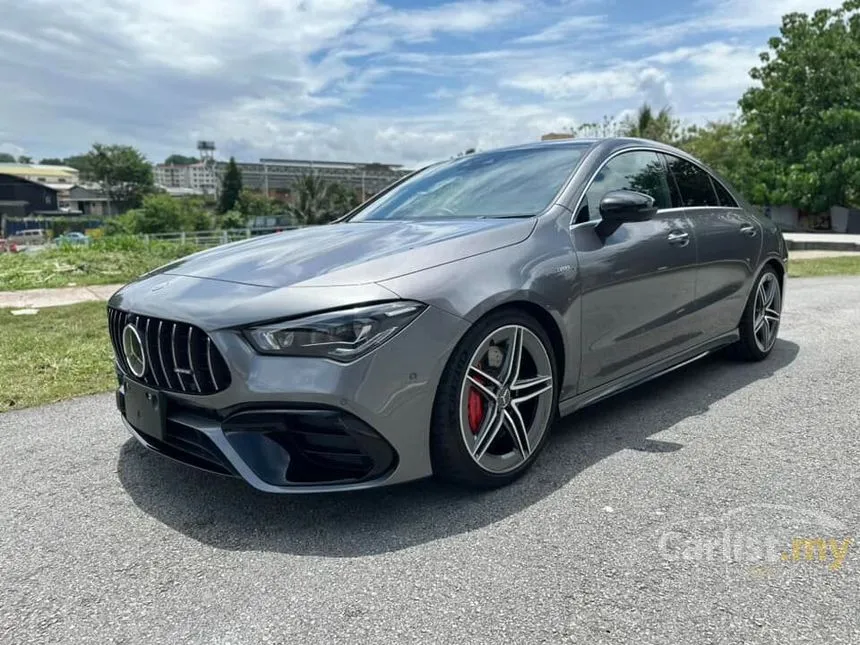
619	206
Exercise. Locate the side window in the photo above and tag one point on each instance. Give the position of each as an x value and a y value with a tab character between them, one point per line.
641	171
694	184
724	195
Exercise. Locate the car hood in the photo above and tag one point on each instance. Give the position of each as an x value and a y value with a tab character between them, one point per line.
350	253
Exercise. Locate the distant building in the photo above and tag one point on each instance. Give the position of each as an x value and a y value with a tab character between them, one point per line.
280	175
57	177
192	178
552	136
20	197
88	200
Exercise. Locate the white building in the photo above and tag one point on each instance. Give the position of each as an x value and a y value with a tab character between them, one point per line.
196	178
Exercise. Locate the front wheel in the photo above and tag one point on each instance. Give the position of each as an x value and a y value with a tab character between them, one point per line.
495	402
760	321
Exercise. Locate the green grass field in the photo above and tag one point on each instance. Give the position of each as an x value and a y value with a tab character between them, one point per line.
843	265
55	354
108	261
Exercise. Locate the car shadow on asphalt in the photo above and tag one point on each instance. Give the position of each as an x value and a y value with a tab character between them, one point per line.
226	513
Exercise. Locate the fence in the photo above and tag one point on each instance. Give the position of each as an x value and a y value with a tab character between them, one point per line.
213	238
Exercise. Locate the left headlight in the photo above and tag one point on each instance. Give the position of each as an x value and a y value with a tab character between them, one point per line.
343	335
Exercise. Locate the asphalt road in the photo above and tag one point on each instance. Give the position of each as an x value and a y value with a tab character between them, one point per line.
657	517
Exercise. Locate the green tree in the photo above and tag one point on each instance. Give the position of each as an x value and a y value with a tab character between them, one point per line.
607	127
51	161
161	213
5	157
311	201
342	199
662	127
725	147
123	172
25	159
804	118
232	220
231	187
252	203
181	160
81	163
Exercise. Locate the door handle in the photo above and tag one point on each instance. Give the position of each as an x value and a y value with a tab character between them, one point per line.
678	238
748	229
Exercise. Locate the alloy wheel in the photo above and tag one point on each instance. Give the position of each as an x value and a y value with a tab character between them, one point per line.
506	399
766	312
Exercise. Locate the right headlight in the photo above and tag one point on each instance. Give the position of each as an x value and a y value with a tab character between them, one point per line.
343	335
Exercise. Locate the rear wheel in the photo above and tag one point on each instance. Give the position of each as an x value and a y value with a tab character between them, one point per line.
495	402
760	321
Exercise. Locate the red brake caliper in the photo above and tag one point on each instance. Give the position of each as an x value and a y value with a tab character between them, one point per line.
476	410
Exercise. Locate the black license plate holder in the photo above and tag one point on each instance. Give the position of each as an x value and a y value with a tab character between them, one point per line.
145	409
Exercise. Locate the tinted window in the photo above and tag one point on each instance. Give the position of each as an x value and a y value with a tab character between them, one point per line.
640	171
724	195
694	184
507	183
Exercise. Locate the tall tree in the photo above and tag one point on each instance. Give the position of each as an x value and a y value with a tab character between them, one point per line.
252	203
724	146
804	119
25	159
661	126
123	172
231	187
312	201
607	127
83	164
51	161
181	160
5	157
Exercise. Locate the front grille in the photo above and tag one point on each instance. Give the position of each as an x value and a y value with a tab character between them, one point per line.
179	357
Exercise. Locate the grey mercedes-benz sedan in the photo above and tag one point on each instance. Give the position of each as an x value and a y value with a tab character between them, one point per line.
442	326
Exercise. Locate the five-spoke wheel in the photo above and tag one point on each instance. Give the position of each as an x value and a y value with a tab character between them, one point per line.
760	322
497	400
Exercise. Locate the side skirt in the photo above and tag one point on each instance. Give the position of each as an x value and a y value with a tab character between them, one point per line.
646	374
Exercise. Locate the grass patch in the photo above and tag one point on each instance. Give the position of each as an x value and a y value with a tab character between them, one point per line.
107	261
842	265
55	354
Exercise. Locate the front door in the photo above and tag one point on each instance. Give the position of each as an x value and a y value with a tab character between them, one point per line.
638	282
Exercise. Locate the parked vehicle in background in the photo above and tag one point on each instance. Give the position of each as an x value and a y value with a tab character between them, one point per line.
72	237
30	237
7	247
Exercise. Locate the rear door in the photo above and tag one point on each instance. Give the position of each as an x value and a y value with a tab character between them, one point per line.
638	281
729	243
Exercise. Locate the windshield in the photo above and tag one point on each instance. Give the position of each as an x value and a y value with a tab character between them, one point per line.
507	183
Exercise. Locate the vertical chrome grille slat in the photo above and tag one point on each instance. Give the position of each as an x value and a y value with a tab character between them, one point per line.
176	366
191	360
149	362
161	356
209	363
199	375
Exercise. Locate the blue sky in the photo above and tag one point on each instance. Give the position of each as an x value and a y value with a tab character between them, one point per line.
367	80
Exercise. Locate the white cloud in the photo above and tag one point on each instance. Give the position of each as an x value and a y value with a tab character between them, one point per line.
618	82
358	79
565	29
469	16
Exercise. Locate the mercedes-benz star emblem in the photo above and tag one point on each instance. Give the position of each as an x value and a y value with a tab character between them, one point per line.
132	347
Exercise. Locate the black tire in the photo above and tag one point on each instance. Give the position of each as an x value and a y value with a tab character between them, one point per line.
451	459
746	348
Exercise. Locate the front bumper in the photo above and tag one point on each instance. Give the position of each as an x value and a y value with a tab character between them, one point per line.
301	425
274	450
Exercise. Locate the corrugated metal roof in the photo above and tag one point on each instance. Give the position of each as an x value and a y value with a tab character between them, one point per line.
28	170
